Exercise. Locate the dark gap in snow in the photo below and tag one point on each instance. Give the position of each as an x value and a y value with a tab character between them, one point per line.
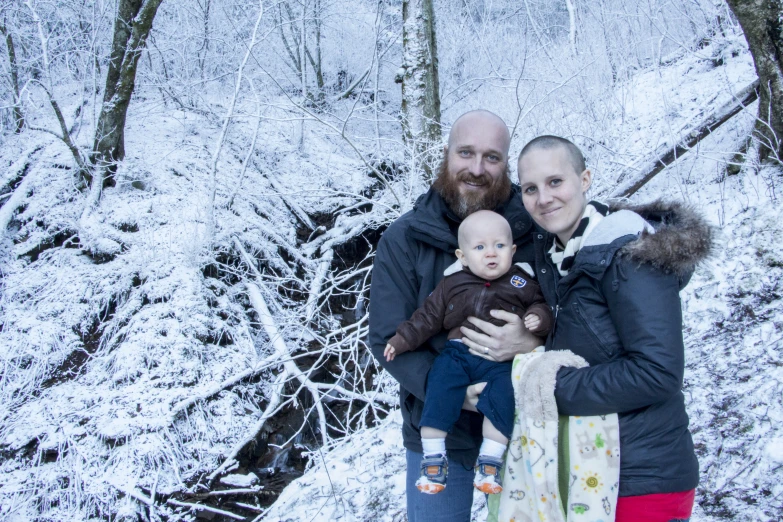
390	170
352	253
100	258
109	179
64	238
347	306
226	268
73	364
50	455
219	338
14	182
129	227
69	369
323	221
145	300
277	456
26	452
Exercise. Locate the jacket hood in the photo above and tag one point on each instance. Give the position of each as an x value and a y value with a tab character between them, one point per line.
682	237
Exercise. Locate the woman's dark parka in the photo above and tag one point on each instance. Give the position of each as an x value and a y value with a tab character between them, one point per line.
619	308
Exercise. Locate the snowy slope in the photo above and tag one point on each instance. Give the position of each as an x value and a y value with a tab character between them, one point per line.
120	372
732	310
128	379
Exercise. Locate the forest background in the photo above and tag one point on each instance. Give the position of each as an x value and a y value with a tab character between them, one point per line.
191	193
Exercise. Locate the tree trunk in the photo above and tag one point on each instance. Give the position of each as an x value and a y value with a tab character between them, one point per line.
131	28
316	63
419	78
637	175
14	70
571	26
761	23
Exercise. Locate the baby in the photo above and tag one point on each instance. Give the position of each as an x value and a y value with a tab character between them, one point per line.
481	280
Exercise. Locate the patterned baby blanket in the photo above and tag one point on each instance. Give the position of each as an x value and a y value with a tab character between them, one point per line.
557	468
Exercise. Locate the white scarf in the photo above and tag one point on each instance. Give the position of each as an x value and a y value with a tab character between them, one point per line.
563	256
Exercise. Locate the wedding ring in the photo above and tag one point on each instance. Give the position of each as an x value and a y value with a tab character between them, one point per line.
486	351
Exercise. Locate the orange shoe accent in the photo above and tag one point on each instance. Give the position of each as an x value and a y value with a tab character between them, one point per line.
430	489
488	488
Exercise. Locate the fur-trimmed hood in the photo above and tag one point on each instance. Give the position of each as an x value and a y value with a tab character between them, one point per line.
682	237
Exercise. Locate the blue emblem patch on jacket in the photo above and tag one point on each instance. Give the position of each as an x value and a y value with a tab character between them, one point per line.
517	282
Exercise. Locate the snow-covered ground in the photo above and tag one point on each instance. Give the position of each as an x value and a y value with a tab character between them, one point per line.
733	312
130	378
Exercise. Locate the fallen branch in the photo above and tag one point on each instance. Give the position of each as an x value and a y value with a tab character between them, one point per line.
249	507
133	493
14	202
231	381
271	409
315	285
276	338
347	92
290	203
281	357
229	492
18	166
381	397
666	154
201	507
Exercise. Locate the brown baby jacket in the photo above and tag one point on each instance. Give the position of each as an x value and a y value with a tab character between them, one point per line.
463	294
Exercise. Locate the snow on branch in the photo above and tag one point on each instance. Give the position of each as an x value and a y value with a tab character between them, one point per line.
202	507
634	178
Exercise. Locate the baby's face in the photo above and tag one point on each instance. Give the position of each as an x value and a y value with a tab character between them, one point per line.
487	250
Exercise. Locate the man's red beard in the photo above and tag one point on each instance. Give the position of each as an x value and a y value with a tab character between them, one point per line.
495	193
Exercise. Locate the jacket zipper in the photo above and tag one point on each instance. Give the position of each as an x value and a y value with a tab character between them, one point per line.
480	300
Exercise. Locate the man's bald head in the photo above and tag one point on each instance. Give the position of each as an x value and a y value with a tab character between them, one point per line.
474	172
487	121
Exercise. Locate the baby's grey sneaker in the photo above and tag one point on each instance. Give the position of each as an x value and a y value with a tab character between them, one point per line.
434	469
487	479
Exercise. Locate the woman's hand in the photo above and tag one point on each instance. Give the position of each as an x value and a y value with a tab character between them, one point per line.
472	396
499	343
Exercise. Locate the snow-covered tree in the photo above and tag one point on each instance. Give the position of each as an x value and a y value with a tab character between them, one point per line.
420	85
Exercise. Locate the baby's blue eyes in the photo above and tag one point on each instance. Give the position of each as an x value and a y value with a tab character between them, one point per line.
498	246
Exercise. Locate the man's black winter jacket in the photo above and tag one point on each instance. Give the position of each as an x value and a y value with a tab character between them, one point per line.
412	255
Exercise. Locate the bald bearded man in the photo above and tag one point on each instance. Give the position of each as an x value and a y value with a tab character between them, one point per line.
411	258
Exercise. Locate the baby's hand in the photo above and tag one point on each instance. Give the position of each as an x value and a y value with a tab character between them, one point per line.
532	322
389	352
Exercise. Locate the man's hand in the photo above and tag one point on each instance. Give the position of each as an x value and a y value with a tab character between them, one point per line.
499	343
389	352
472	396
